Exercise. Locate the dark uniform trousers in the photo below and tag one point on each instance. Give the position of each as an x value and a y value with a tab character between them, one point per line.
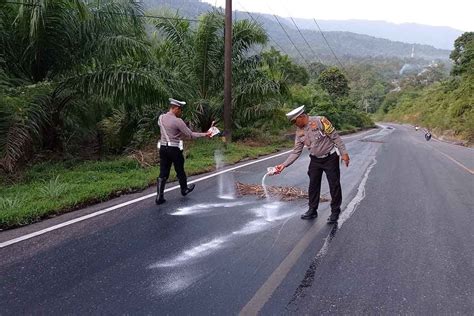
172	155
330	165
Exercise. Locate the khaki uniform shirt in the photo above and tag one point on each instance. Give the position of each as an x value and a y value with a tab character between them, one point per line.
319	136
175	128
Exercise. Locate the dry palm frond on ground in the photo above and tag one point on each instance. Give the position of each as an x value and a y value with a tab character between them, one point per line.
284	193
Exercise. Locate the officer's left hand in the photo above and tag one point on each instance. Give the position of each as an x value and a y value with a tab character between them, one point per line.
346	159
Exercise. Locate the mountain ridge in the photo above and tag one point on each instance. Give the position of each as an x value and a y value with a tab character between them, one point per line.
411	33
347	45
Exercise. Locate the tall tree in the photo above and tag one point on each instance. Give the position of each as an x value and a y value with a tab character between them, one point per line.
315	69
78	52
282	67
334	82
463	54
197	55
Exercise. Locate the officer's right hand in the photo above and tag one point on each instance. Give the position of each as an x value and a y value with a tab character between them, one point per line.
279	169
345	158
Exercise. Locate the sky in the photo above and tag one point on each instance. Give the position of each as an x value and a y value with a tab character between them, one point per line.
458	14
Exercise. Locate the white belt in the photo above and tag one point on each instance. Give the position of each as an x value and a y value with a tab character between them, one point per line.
179	145
333	150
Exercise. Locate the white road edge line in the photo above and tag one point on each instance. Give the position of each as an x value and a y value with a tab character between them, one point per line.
112	208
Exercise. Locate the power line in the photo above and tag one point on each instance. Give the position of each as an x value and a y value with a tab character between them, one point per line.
301	34
116	13
173	8
153	16
288	35
26	4
304	59
276	43
256	52
256	21
305	40
250	15
327	43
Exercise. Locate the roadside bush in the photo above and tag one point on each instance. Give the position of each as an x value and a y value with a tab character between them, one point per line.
243	133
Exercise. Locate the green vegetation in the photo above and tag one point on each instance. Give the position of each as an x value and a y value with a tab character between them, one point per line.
50	188
106	80
329	95
463	54
82	84
445	106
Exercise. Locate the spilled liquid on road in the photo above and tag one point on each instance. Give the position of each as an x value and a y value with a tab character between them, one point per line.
225	181
265	214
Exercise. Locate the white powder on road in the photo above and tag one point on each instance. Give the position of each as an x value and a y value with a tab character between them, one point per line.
206	207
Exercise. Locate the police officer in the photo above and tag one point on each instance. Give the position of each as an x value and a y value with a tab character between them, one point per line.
173	129
321	138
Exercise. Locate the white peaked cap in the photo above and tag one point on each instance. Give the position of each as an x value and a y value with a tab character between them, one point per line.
176	102
292	115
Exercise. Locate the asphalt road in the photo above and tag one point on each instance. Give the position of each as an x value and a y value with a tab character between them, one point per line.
404	244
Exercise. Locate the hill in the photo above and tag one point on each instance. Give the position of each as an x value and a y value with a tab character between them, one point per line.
438	36
346	45
445	107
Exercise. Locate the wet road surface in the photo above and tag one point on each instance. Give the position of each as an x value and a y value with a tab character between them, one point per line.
404	244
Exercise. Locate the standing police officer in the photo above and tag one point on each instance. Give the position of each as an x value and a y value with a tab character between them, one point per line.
318	134
173	129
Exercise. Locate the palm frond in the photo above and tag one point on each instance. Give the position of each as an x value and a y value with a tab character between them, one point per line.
175	31
117	46
120	16
111	127
123	83
245	34
208	57
21	121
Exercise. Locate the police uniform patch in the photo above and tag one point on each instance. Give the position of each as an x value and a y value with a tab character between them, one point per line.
327	126
314	125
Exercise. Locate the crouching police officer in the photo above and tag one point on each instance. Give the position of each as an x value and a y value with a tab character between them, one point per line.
321	138
173	129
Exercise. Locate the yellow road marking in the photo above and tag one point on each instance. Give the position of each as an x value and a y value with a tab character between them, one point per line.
262	296
449	157
456	162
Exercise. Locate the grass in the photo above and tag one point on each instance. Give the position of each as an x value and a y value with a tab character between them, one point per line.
445	108
51	188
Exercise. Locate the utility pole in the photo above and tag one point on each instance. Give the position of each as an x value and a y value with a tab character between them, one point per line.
228	72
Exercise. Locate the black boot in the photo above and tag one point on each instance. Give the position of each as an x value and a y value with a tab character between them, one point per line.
160	190
334	217
310	214
185	188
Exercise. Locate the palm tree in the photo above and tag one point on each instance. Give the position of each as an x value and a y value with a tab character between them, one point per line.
81	54
197	56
